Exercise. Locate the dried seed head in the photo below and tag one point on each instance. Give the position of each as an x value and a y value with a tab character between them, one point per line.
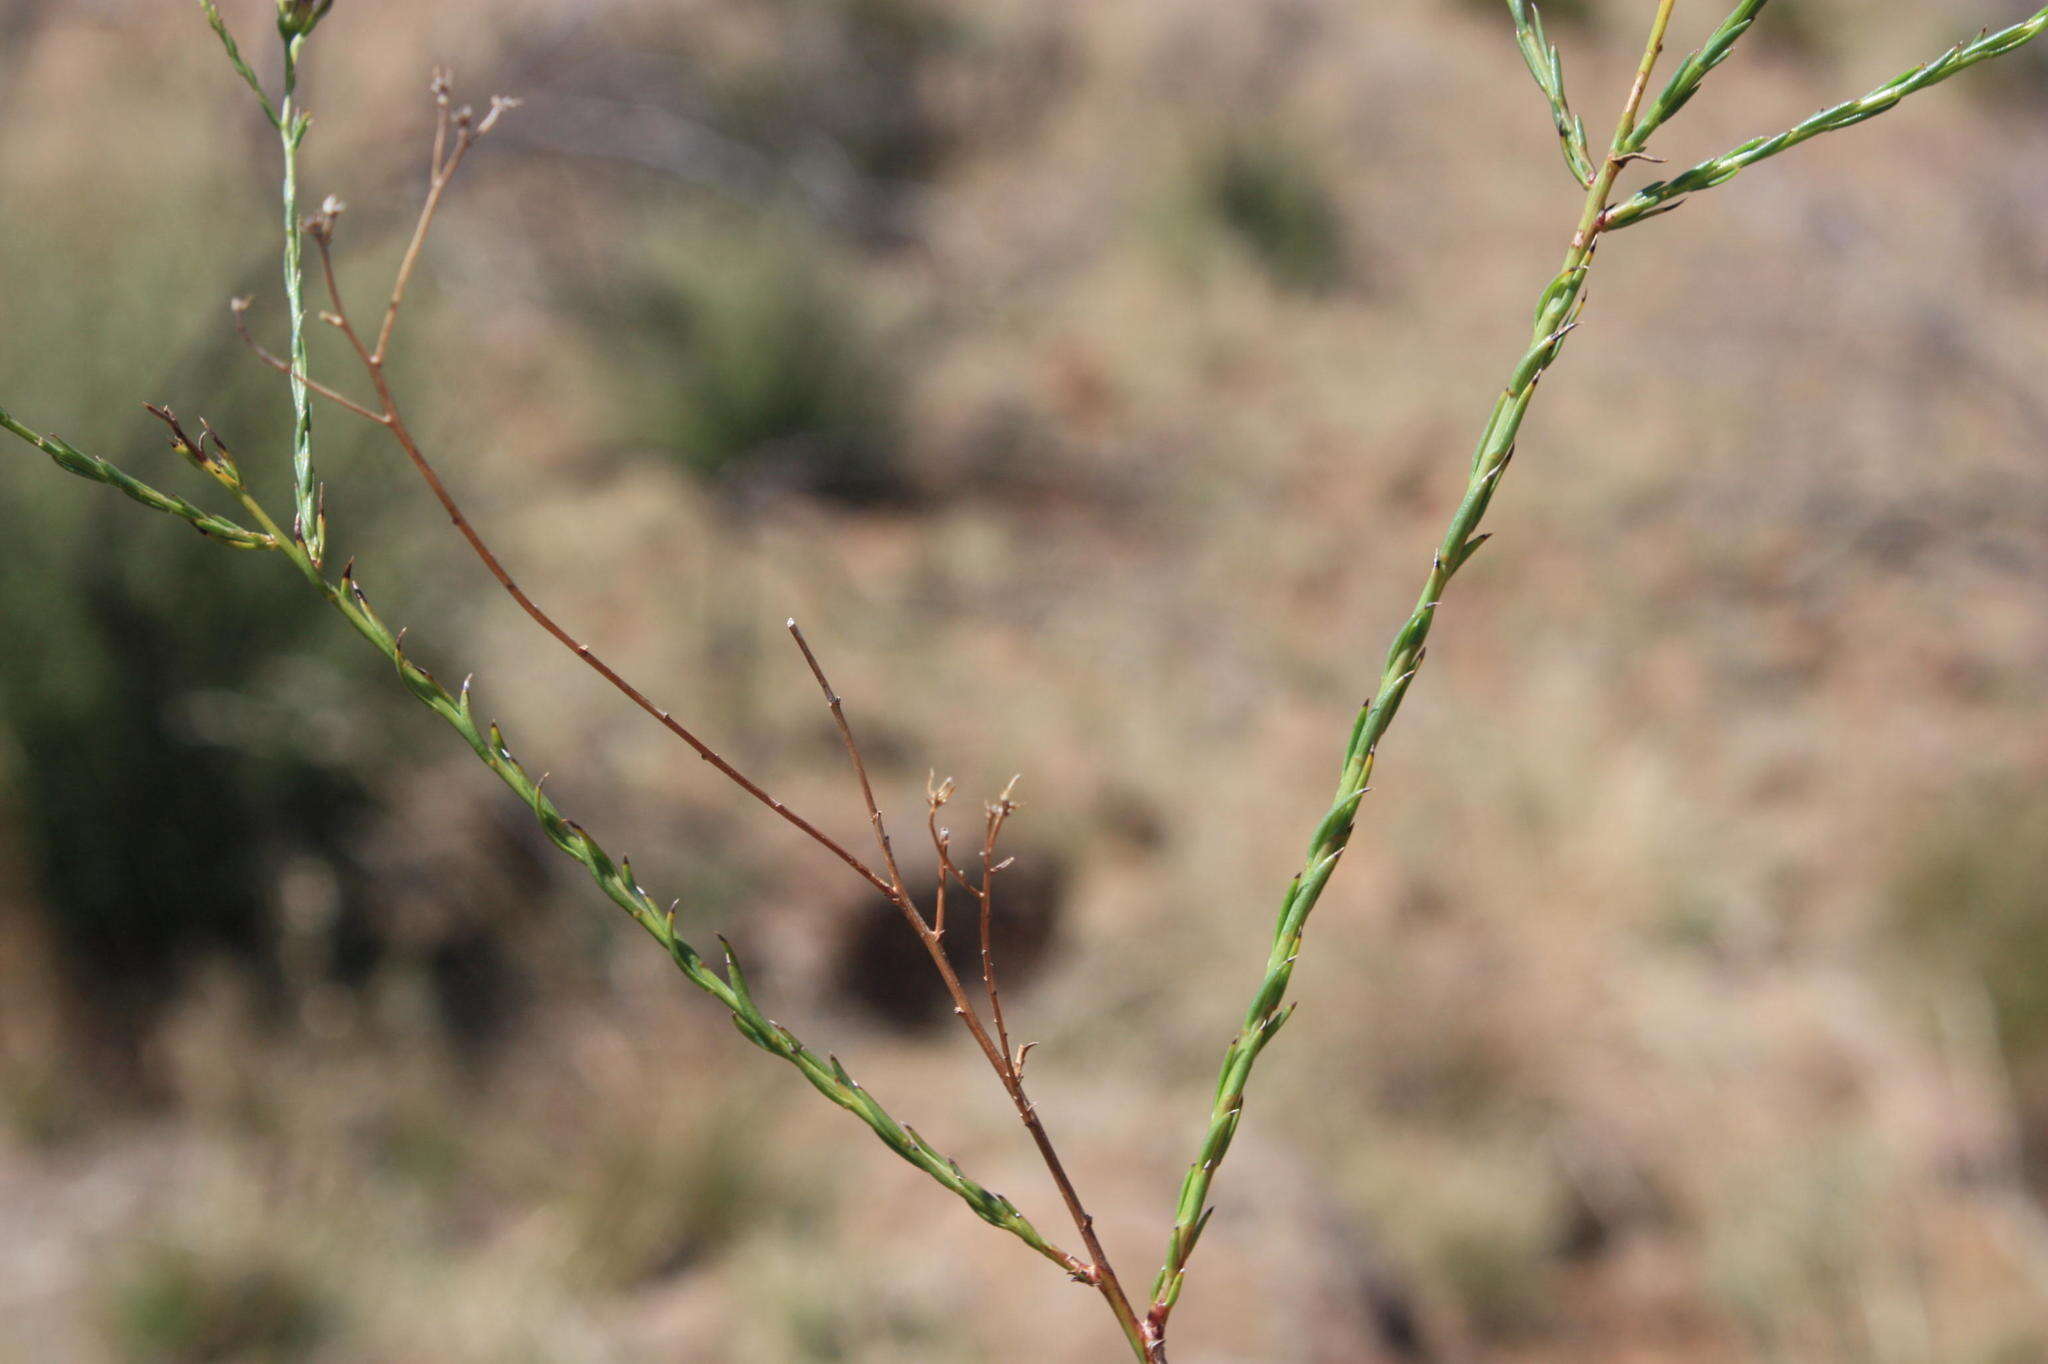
320	226
219	461
500	106
180	442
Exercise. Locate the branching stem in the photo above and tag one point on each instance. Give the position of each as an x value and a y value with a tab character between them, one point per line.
456	131
1556	315
1097	1272
616	879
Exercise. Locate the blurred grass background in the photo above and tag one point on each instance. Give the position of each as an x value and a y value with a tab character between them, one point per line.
1091	379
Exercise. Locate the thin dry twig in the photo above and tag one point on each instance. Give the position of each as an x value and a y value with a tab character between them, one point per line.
998	812
936	794
1098	1273
860	767
239	307
456	131
468	130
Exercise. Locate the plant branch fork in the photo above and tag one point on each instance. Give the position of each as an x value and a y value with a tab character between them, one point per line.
457	130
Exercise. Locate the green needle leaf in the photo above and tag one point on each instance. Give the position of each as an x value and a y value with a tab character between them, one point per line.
1540	55
227	42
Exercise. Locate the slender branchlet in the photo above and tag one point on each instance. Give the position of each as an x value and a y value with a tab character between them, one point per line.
1557	314
1097	1272
235	58
295	24
457	130
210	455
296	20
999	811
853	754
72	460
1685	81
1540	55
936	794
982	890
1665	195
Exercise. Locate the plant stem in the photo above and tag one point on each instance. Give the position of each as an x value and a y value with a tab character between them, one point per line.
1098	1273
388	415
997	814
307	520
455	133
616	879
1556	315
75	461
1664	195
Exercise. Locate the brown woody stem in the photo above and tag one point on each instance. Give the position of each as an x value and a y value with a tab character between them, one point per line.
1098	1273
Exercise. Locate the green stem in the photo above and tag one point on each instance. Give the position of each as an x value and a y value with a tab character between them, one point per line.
235	58
75	461
1556	314
1541	57
308	522
1664	195
304	548
1685	81
615	878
